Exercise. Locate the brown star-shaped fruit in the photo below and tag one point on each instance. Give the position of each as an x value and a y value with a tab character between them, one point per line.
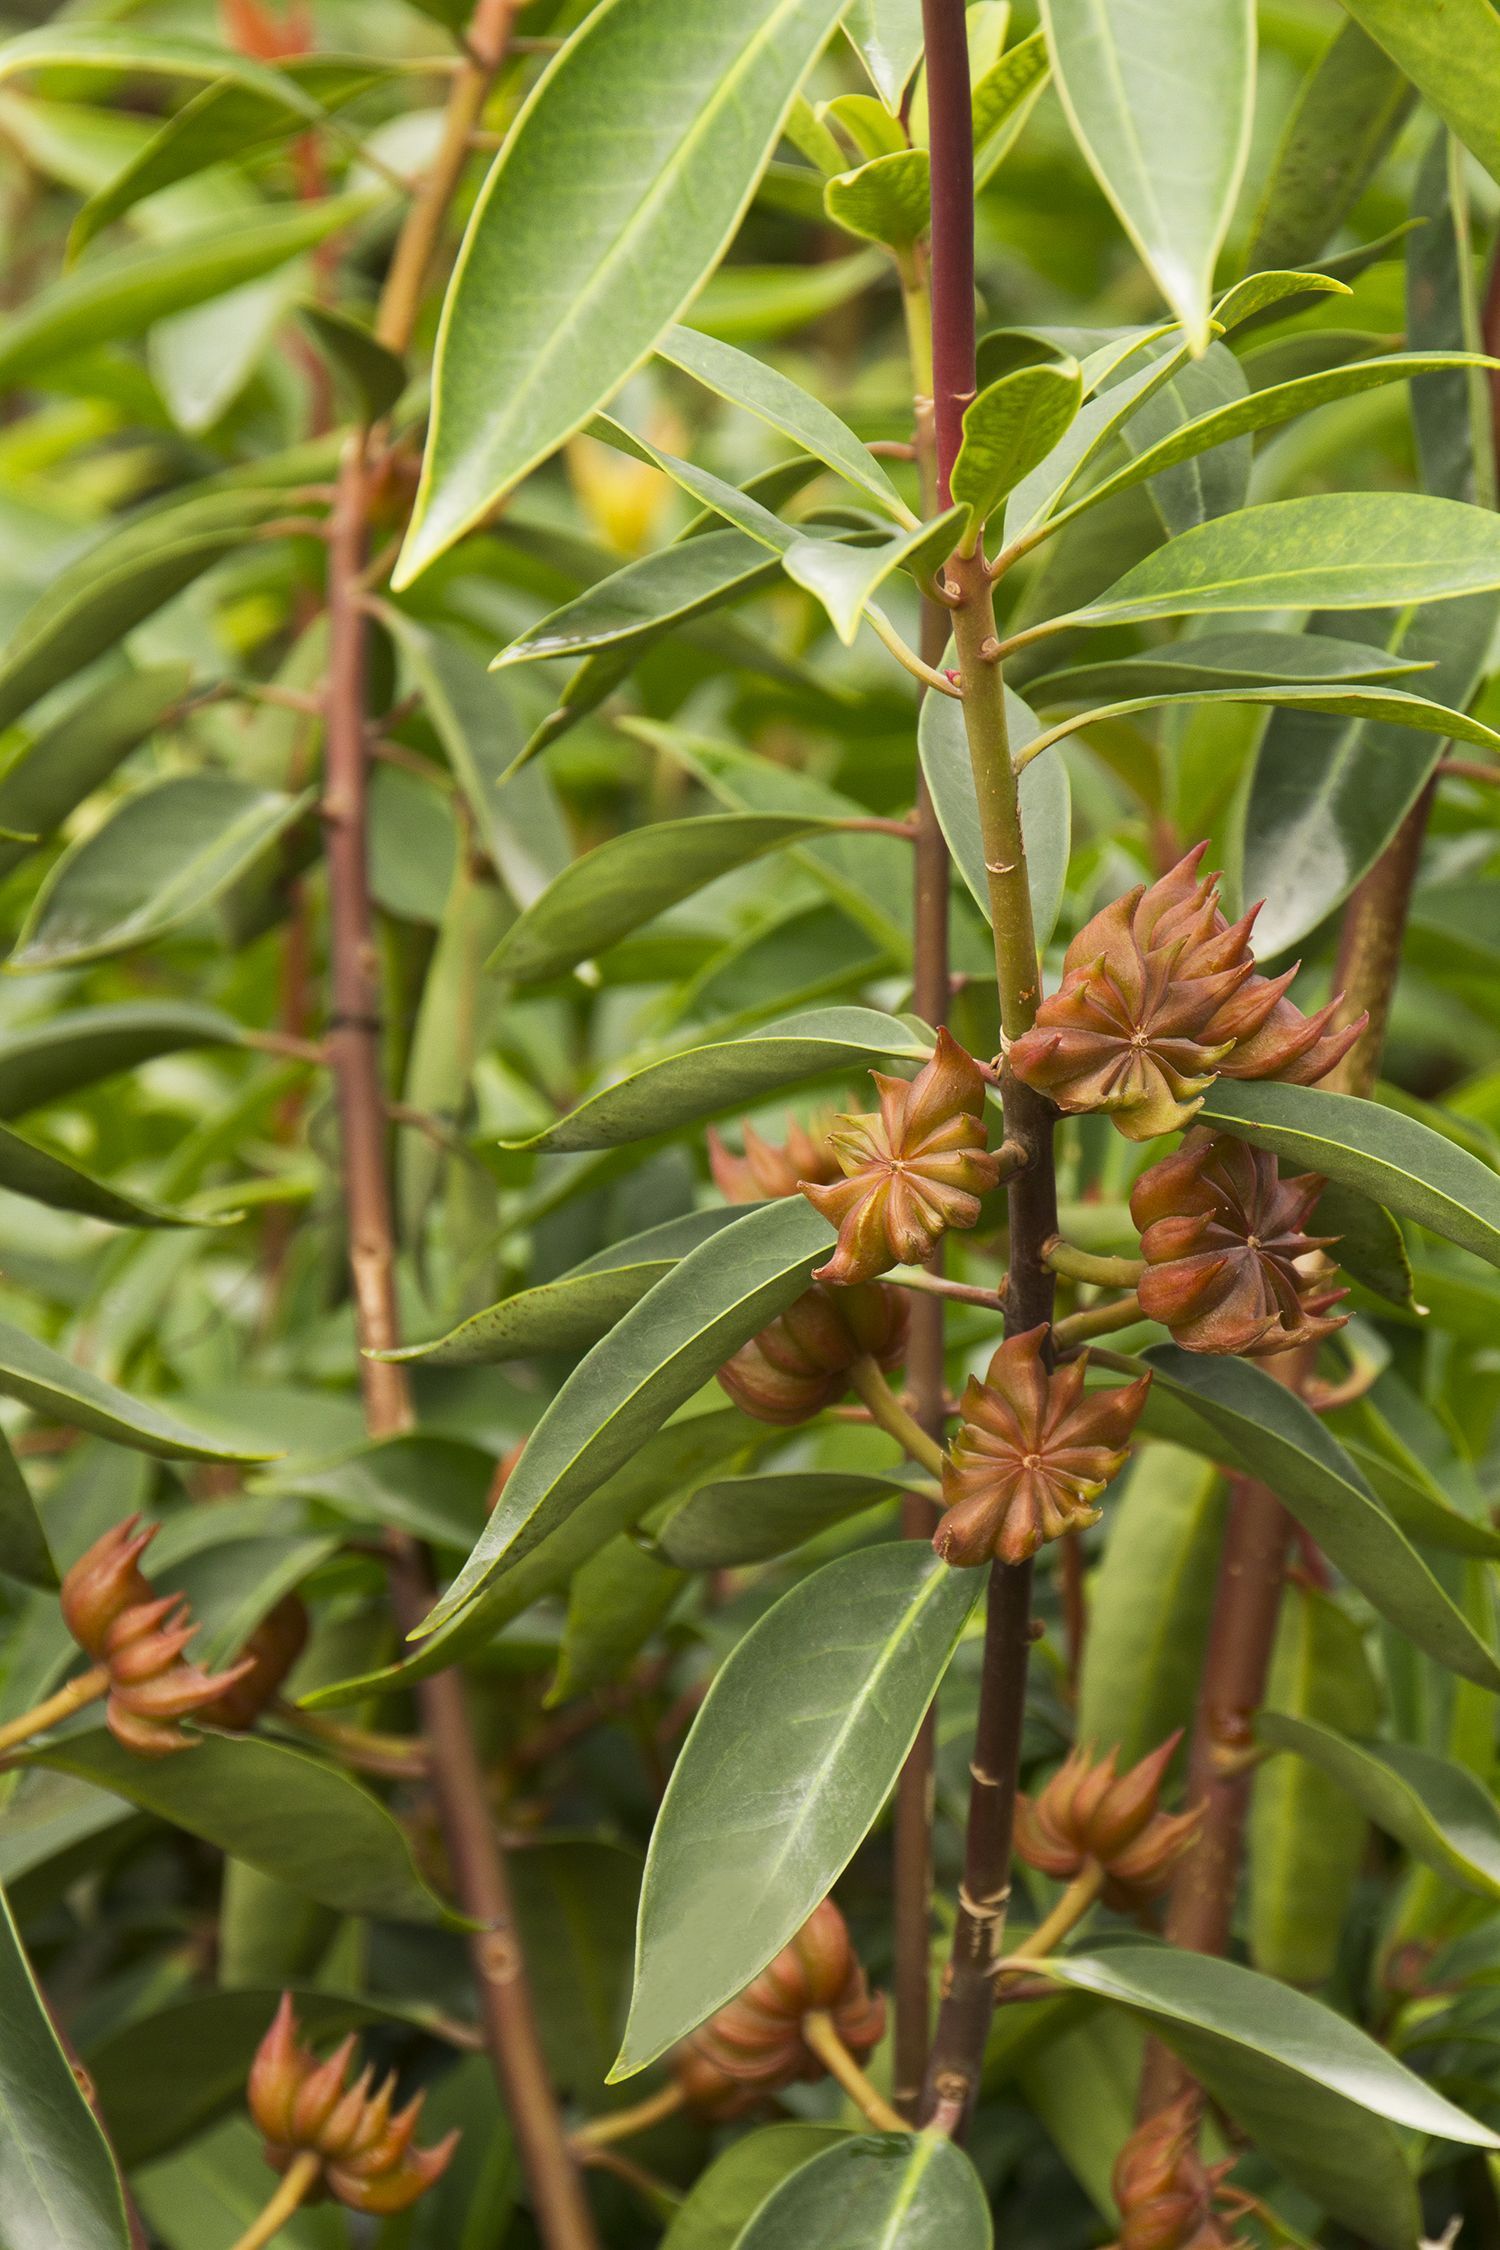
1090	1813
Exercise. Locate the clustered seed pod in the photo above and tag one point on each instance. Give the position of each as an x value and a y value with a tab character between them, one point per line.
766	1170
303	2107
1032	1454
1159	995
912	1169
1088	1812
269	1654
1164	2190
801	1363
139	1637
754	2046
1229	1267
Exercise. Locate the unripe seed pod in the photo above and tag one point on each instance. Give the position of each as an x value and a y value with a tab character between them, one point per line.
767	1171
1090	1814
1164	2190
801	1363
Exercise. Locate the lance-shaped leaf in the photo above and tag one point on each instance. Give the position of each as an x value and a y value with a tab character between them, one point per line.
1220	660
774	398
1046	805
1393	1159
1004	97
1091	430
629	879
58	2181
1235	1412
1009	430
68	760
53	1387
1391	707
724	2198
1348	110
114	47
1371	1247
576	1309
1347	550
647	597
788	1764
1161	104
42	1062
161	857
1440	1811
740	1520
887	35
305	1823
1450	411
620	186
885	2191
1410	1494
1451	55
1313	2091
733	1074
846	579
888	200
668	1345
45	1177
25	1551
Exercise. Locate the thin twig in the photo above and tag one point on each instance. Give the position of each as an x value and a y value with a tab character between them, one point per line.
821	2034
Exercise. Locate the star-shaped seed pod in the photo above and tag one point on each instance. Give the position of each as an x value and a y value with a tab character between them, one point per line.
1160	994
267	1657
1230	1266
801	1363
764	1170
139	1637
1165	2191
1090	1814
366	2155
1032	1454
913	1169
755	2046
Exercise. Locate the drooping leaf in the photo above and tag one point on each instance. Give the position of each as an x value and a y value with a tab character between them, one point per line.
735	1074
1451	55
1245	1416
1348	110
43	1062
161	857
677	1336
53	1387
1160	104
788	1763
846	578
1313	2091
885	2191
749	1519
71	757
1009	429
616	194
646	598
1220	660
45	1177
888	200
1440	1812
1395	1160
725	2197
1046	805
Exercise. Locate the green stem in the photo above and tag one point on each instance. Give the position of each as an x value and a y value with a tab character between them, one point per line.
1069	1911
1096	1320
87	1688
886	1409
1087	1265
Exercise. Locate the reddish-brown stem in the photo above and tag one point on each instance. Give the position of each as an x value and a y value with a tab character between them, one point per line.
1370	946
952	141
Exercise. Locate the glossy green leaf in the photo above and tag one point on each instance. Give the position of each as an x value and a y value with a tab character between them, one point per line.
772	397
787	1766
1397	708
113	48
616	1601
1395	1160
1313	2091
45	1177
888	200
880	2191
1450	410
1161	106
1440	1812
44	1062
1451	54
1370	1246
1008	431
1284	292
749	1519
25	1552
1408	1490
1208	482
672	1341
59	2187
617	192
305	1823
734	1074
1219	660
161	857
846	579
628	880
576	1309
1348	110
887	35
1046	805
723	2198
1246	1417
1096	423
54	1388
1004	97
747	304
646	598
70	758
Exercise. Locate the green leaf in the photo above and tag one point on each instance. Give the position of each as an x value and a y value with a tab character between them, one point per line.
1004	97
772	397
787	1766
576	1309
1406	1487
888	200
723	2198
1392	1159
295	1818
1009	430
1248	1417
54	1388
740	1520
1391	707
112	48
1314	2093
1350	550
632	607
748	304
1161	106
1096	423
375	375
846	579
1046	806
619	1598
1219	660
1440	1812
619	188
887	36
38	1173
72	756
25	1552
881	2191
1451	55
1370	1245
629	880
1450	411
43	1062
58	2182
732	1074
160	858
1348	110
434	1487
671	1342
